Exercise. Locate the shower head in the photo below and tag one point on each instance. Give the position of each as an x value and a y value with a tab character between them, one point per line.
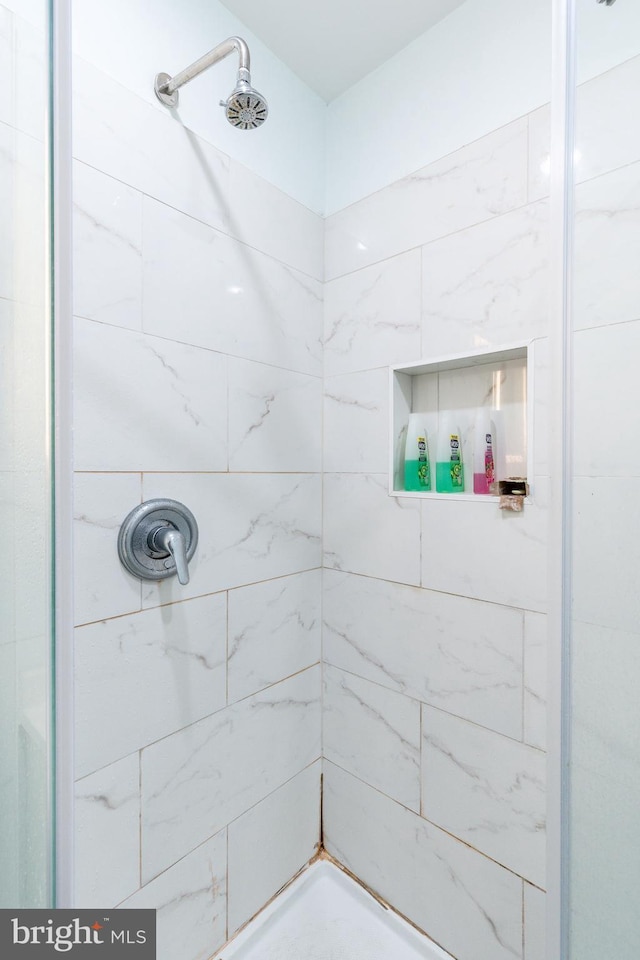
245	107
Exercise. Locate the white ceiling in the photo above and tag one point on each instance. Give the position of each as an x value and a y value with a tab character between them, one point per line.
331	44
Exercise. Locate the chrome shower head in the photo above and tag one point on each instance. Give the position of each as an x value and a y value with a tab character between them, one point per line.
245	107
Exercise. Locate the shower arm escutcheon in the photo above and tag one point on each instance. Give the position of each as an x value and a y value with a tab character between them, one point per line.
158	539
167	87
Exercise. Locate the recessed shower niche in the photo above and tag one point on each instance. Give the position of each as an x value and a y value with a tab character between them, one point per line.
455	390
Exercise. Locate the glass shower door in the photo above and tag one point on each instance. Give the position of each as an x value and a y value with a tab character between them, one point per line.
604	804
26	816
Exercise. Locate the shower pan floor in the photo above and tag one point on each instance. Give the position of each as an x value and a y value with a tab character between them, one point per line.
324	915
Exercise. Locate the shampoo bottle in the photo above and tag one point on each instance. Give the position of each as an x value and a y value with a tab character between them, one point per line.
417	469
449	466
485	454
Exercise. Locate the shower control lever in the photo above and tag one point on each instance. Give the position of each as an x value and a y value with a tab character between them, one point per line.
158	539
166	539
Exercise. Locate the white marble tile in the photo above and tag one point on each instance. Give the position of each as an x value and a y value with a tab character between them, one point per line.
487	285
22	201
107	834
539	153
220	767
273	222
467	903
541	406
604	137
535	947
202	287
372	316
480	181
606	551
461	655
143	676
191	901
273	419
118	133
605	780
274	631
373	733
605	871
356	413
367	531
102	587
253	527
143	403
535	679
107	249
477	550
486	789
606	282
606	357
605	717
271	842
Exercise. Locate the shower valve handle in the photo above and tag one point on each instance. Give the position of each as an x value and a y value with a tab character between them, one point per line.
158	539
167	539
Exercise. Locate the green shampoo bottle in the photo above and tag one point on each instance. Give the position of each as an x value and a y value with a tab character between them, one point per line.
417	468
449	465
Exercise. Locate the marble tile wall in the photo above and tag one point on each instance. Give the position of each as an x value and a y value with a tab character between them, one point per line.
605	771
198	363
434	610
200	351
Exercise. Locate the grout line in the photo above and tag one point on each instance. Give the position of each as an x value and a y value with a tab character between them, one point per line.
208	716
225	828
198	596
437	826
282	889
544	200
206	223
385	904
444	593
193	345
433	706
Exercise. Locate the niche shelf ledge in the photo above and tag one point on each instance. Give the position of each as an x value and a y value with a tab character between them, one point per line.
498	378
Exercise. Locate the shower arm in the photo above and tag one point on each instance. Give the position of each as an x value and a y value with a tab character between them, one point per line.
167	87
